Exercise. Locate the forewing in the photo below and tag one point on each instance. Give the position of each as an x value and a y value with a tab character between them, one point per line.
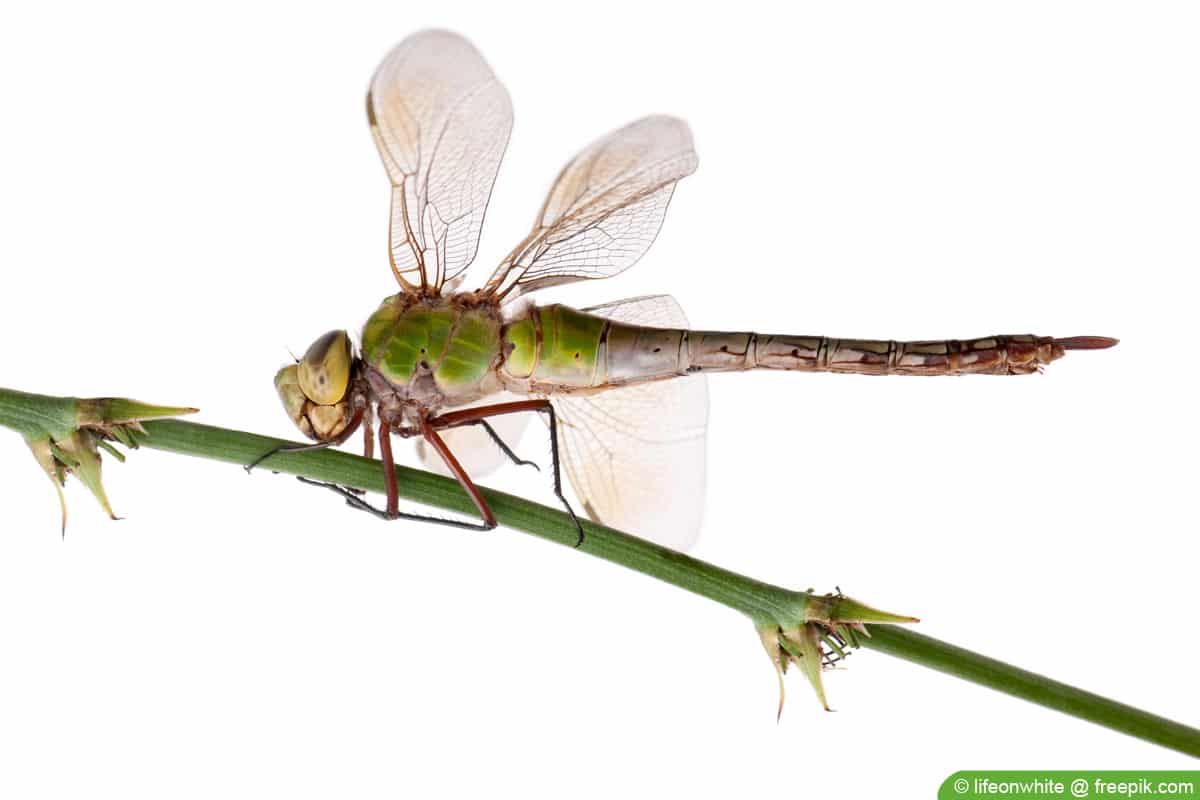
604	210
441	121
636	454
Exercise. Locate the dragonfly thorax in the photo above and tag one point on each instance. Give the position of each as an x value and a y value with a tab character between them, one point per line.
428	353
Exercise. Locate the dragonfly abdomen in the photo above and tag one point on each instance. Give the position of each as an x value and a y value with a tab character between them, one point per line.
991	355
559	348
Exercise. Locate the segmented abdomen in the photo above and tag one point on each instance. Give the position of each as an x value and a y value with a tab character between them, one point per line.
991	355
560	347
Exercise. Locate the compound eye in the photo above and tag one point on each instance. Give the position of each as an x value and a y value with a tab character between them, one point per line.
324	372
290	393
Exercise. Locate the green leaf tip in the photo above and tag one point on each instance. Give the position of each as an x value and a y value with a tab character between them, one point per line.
848	610
106	411
820	633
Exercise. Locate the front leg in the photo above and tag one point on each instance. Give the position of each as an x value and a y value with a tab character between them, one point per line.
341	438
391	483
389	470
368	424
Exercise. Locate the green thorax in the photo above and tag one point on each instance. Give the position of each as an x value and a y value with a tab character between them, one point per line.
455	342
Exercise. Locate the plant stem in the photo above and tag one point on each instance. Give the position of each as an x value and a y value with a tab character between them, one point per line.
765	604
760	601
945	657
32	414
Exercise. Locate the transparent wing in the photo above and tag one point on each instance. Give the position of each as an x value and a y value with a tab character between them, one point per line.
604	210
441	121
636	454
471	445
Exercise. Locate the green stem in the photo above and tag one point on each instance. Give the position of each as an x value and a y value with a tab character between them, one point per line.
753	598
945	657
765	604
760	601
33	414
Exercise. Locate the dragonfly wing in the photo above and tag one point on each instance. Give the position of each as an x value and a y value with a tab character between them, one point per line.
636	454
441	121
604	209
472	446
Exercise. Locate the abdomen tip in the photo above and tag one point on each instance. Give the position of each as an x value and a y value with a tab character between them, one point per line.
1086	342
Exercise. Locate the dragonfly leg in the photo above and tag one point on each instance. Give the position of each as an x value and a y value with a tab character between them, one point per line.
368	445
341	438
355	501
439	444
504	448
389	470
477	414
368	436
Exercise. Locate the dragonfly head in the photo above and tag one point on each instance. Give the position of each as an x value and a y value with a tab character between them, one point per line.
315	390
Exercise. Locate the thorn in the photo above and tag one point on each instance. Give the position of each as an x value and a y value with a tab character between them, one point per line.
779	711
769	636
62	503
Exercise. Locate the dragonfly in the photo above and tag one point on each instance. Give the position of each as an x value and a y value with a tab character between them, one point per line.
621	385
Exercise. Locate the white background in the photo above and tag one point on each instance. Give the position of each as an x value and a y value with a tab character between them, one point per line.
186	194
